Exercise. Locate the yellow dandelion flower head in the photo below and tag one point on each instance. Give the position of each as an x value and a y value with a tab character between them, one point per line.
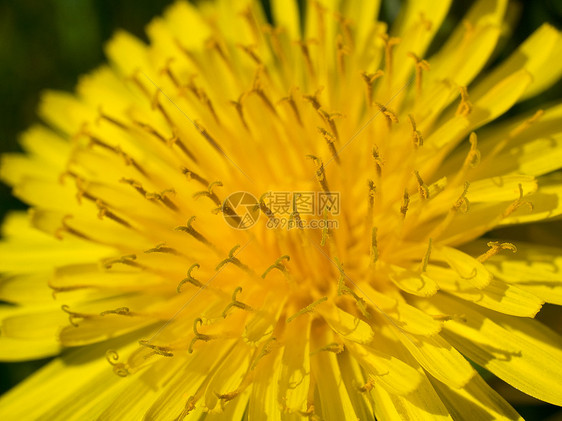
281	218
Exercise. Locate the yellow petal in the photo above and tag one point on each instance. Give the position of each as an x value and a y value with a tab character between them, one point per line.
14	350
469	271
347	325
128	54
537	269
388	371
229	376
412	282
400	314
64	112
528	356
439	358
545	203
263	401
334	401
80	368
286	15
476	401
469	47
538	55
294	380
176	391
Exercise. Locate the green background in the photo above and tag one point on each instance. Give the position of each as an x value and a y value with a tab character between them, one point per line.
47	44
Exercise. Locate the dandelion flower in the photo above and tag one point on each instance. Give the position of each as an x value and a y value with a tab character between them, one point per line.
169	260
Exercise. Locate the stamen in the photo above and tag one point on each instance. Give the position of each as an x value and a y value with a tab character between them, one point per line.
405	203
345	25
189	406
198	336
277	265
291	101
421	65
371	195
473	157
247	14
175	140
374	248
250	51
462	202
423	189
192	175
165	351
329	119
416	134
135	79
388	115
240	110
465	107
203	132
209	193
369	79
320	175
517	204
112	358
72	315
66	228
425	261
266	349
150	130
389	43
225	397
121	311
325	229
330	139
342	51
263	207
153	197
314	99
236	303
203	98
234	260
105	212
378	160
128	260
214	44
307	59
191	231
526	124
367	387
495	248
166	70
447	317
344	289
335	347
164	199
308	309
115	149
295	216
309	413
258	90
161	248
103	116
190	278
157	105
